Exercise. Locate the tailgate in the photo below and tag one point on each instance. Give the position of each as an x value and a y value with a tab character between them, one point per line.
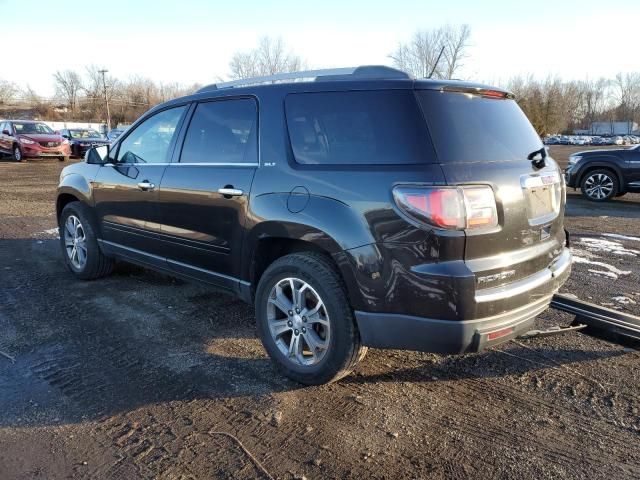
530	233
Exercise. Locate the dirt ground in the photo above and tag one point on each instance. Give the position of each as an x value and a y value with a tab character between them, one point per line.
143	376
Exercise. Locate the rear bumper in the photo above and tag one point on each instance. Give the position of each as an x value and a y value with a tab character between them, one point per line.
407	332
385	330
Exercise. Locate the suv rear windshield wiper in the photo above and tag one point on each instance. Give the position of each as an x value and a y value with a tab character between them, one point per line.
538	162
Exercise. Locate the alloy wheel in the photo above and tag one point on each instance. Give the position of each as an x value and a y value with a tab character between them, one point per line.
17	154
298	322
599	186
75	242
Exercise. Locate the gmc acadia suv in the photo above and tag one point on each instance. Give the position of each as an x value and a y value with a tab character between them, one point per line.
362	208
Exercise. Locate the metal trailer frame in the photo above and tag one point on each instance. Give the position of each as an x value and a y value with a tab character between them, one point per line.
594	320
600	322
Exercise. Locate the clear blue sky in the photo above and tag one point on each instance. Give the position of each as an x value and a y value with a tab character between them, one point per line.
191	41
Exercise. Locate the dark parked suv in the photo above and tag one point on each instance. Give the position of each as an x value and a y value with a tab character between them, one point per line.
362	208
605	174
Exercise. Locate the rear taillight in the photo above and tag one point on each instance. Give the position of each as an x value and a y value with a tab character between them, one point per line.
456	208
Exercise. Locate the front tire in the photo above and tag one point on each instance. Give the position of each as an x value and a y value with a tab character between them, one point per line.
599	185
305	321
79	243
17	153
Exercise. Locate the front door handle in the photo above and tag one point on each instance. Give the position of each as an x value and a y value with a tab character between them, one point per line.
146	185
230	192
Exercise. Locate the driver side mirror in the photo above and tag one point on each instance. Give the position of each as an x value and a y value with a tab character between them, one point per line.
6	132
97	155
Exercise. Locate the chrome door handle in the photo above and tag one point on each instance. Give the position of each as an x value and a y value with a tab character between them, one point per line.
146	185
230	192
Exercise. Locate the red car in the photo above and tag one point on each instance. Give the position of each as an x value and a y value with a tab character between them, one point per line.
26	138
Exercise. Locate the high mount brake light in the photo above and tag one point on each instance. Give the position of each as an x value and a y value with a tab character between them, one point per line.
454	208
479	92
493	94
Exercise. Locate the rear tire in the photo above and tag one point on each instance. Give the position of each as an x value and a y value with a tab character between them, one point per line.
79	243
331	329
599	185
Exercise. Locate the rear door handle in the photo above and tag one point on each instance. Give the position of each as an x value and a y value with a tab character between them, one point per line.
146	185
230	192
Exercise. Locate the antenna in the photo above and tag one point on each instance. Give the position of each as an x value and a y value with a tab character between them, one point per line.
435	65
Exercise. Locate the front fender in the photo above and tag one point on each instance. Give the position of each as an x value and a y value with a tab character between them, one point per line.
76	185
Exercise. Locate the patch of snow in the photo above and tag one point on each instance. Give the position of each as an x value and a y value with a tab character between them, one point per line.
621	237
51	231
609	270
624	300
606	274
599	245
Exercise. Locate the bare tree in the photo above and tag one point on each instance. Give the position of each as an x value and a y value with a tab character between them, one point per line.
268	58
8	91
594	97
68	87
627	94
437	52
456	43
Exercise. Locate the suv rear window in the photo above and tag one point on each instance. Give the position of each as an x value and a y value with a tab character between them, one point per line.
382	127
471	128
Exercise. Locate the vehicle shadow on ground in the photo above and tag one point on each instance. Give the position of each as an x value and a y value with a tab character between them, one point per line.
490	364
86	350
625	207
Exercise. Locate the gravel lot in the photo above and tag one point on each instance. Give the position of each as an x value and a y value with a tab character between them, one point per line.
143	376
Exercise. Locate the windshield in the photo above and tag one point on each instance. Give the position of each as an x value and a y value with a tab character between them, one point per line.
33	128
471	128
84	134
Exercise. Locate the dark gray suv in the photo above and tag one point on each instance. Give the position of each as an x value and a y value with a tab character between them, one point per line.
359	208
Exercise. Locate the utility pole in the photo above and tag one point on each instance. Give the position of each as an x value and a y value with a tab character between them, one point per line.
106	98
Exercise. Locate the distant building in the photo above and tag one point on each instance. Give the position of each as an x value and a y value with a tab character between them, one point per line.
613	128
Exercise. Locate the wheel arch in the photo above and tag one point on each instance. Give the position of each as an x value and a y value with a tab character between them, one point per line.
266	248
74	188
602	165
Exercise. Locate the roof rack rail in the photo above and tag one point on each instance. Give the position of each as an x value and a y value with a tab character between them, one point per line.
349	73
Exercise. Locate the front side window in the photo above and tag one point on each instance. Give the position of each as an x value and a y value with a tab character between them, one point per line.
382	127
150	141
222	132
32	128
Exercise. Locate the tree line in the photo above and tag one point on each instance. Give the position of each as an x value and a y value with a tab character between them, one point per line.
557	106
553	105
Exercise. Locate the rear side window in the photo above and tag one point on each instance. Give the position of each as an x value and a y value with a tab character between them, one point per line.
222	132
382	127
471	128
